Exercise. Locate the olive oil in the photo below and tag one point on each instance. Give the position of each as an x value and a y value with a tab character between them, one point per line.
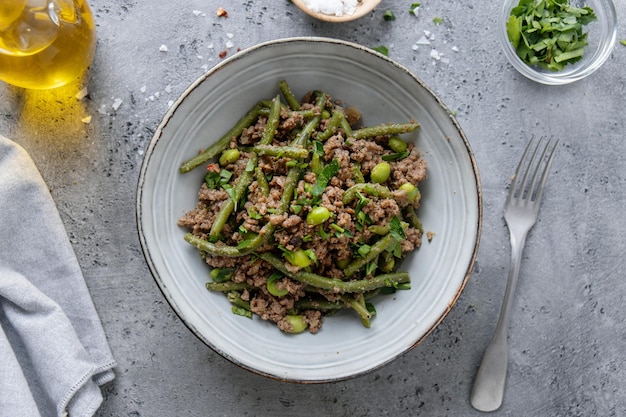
45	43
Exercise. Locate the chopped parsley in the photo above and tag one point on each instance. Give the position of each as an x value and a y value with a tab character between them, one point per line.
389	16
382	50
324	177
549	33
215	180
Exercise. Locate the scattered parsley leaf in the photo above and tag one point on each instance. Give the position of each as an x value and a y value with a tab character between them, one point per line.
323	233
389	16
395	156
414	7
364	250
370	268
222	274
216	179
396	229
382	50
623	42
327	173
437	20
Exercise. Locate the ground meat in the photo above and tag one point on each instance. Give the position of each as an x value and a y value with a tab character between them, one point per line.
282	222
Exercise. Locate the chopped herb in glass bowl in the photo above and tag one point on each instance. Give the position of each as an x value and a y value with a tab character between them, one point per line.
557	41
549	33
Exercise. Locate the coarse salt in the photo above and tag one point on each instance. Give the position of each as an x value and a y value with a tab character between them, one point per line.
332	7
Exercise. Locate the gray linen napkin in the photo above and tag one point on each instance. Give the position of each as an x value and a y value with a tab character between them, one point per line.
54	355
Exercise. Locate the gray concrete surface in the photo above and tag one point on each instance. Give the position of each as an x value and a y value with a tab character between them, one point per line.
567	333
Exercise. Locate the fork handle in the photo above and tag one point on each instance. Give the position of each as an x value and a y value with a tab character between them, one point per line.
488	390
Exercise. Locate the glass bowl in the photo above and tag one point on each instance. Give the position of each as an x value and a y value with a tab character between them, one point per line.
602	36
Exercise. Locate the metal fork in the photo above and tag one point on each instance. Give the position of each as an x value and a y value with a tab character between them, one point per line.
520	213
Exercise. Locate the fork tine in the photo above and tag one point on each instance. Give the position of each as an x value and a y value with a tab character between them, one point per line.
526	191
544	175
515	186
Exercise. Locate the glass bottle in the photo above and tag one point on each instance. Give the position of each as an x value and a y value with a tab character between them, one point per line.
45	43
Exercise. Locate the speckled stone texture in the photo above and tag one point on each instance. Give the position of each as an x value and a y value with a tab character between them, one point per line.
567	333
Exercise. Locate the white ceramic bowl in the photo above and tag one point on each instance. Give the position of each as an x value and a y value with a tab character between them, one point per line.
384	92
601	38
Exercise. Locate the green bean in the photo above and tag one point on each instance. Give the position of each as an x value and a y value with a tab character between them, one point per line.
378	229
357	175
336	285
376	190
333	124
290	98
212	248
281	151
384	130
227	286
235	299
358	304
305	304
411	216
347	129
386	242
388	261
223	142
272	122
262	181
316	163
303	137
308	113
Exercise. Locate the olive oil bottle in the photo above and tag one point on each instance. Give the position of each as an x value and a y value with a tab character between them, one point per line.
45	43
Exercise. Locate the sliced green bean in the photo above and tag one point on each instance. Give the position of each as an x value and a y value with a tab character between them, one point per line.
337	285
384	130
223	142
386	242
347	129
272	122
411	216
373	189
212	248
290	98
262	181
281	151
358	305
227	286
357	175
333	124
235	299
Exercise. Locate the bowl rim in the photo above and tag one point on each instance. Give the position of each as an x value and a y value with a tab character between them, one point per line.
220	66
556	78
